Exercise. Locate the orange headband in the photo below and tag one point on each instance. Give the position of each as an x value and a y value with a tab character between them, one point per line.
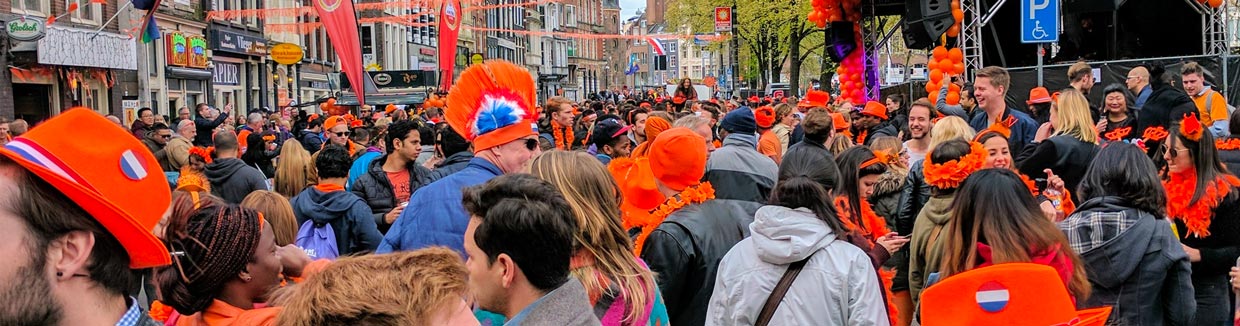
950	174
880	157
261	221
1190	127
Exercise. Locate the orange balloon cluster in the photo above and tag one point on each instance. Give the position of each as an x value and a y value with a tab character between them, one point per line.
958	15
852	74
825	11
944	63
1212	3
329	107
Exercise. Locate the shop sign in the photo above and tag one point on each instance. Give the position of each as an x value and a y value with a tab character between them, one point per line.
25	29
198	52
226	74
177	49
287	53
477	58
426	51
238	43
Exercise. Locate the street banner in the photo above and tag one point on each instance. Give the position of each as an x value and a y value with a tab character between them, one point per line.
340	21
723	19
449	26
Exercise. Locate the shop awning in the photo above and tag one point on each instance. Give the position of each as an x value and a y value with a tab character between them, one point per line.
187	73
348	99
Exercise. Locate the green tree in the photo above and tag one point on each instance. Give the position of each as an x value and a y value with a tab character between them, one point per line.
766	31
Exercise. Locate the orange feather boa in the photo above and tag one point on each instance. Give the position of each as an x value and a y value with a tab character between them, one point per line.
563	136
693	195
872	227
1196	215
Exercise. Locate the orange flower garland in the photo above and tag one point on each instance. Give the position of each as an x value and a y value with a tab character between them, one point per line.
949	175
1033	187
872	225
861	137
269	138
1190	127
562	142
1196	215
692	195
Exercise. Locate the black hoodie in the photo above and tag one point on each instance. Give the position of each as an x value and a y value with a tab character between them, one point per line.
232	180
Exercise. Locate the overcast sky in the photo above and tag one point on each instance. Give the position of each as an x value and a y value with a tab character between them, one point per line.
628	8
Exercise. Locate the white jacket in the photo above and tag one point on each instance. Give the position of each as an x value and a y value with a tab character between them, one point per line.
837	286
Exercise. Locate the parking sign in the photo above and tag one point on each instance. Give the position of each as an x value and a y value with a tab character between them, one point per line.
1039	21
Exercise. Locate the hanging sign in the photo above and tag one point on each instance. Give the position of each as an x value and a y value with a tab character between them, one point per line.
178	49
25	29
198	52
723	19
287	53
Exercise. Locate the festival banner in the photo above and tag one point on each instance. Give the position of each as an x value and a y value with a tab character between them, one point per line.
449	27
340	21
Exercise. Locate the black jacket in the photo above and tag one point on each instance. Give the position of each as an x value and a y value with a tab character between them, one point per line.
1134	264
376	190
311	141
258	156
1065	155
685	250
1165	104
915	194
886	196
450	165
887	128
231	179
206	129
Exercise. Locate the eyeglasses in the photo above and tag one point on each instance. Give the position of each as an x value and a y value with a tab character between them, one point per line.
342	134
166	136
531	143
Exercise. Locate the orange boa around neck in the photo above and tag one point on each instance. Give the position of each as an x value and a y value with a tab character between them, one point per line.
872	225
1196	215
693	195
563	136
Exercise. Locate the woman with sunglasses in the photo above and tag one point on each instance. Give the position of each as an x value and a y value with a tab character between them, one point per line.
1202	202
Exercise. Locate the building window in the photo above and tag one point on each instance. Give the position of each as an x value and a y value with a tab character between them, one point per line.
89	13
39	8
570	16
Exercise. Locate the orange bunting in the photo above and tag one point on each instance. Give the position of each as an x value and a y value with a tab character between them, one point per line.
950	174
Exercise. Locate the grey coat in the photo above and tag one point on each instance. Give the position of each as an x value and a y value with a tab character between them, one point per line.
567	305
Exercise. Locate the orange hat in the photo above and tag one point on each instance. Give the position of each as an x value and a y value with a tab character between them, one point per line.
1016	294
1039	95
875	109
314	116
103	174
814	99
838	121
389	108
356	124
332	121
636	181
656	126
764	116
678	158
349	117
493	104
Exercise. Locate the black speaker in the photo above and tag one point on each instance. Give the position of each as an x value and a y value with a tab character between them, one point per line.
843	40
925	21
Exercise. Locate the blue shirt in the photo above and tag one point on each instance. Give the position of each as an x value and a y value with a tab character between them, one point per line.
1143	96
361	166
132	316
435	216
1023	131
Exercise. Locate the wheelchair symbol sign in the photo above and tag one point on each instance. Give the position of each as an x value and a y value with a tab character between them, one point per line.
1039	21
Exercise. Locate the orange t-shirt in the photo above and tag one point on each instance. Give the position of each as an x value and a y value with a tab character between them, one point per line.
769	145
1216	111
221	313
241	139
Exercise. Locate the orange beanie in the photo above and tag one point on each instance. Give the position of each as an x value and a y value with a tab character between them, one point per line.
764	116
656	126
678	158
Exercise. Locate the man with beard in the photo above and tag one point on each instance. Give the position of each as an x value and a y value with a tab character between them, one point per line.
71	227
919	126
871	122
1081	77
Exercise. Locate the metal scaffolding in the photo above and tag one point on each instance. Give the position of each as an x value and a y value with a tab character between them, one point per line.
970	40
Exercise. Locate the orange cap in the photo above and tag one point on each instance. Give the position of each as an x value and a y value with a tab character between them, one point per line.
678	158
764	116
103	174
875	109
1039	95
332	121
1016	294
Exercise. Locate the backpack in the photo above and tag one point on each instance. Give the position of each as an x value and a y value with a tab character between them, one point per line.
318	240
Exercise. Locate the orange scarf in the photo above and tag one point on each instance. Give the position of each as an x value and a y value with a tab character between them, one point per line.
1196	215
328	187
563	136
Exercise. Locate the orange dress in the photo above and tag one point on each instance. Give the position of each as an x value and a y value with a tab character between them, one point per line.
221	313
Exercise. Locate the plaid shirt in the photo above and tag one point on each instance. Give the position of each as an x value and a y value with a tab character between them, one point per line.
133	316
1091	229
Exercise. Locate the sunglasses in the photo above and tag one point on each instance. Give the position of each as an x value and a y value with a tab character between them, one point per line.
166	136
531	143
342	134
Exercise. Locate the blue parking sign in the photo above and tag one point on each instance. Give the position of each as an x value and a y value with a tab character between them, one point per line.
1039	21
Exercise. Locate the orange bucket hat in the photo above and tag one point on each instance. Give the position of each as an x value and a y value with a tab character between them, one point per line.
1016	294
875	109
492	104
110	175
678	158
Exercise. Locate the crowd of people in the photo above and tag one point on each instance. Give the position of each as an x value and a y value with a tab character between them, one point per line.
487	207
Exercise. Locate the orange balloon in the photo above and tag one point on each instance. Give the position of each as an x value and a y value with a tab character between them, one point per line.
956	55
958	68
939	53
953	31
932	88
1215	3
958	15
936	76
953	88
952	98
933	96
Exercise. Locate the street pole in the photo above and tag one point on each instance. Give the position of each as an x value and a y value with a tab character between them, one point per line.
735	52
1039	54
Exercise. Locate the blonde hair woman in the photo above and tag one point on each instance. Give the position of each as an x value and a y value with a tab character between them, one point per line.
621	288
1064	146
951	127
295	170
279	213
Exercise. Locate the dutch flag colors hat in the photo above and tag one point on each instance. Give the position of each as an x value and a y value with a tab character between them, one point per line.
110	175
492	104
1017	294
